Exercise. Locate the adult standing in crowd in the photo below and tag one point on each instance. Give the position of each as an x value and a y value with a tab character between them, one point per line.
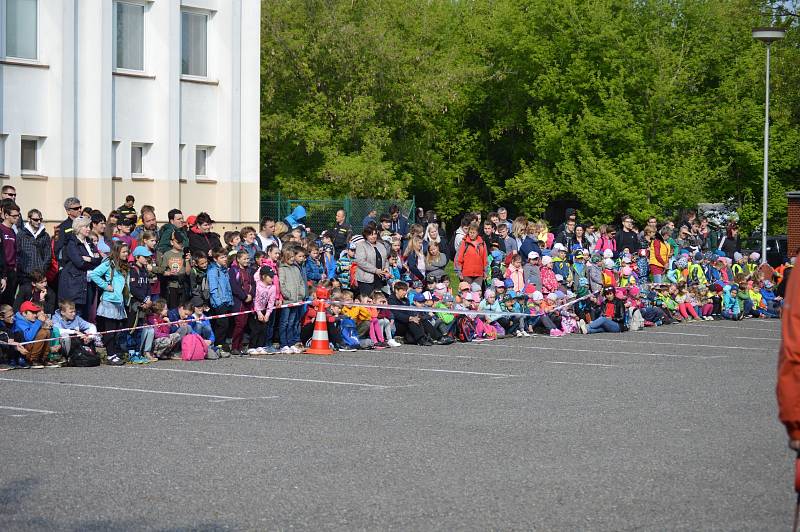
627	238
341	232
10	219
472	256
176	224
266	235
371	262
127	210
80	256
201	238
149	223
730	243
73	207
398	223
788	388
33	248
502	215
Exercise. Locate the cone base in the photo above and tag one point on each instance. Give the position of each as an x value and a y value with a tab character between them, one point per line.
319	351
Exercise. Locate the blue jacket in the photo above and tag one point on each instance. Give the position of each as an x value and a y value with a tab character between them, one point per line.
101	276
528	245
330	266
314	269
29	329
219	286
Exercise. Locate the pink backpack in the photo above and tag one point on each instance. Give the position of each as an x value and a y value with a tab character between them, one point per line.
193	347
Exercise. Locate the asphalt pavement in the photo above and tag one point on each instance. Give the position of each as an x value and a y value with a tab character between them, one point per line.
672	428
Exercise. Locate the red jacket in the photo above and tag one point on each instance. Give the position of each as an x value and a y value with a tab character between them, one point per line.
472	257
788	388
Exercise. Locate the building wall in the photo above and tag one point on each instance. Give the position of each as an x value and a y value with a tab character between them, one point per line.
88	114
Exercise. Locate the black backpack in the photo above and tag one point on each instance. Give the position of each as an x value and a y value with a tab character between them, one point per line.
82	355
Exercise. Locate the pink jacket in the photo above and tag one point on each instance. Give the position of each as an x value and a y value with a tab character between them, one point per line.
265	295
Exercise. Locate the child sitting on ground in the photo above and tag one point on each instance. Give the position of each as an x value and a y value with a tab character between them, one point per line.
164	341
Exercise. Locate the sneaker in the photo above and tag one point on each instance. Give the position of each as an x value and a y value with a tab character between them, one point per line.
286	350
269	350
114	360
344	348
6	366
37	365
254	351
555	333
222	353
582	326
22	363
400	339
446	340
380	346
525	334
393	343
519	334
297	349
50	364
212	354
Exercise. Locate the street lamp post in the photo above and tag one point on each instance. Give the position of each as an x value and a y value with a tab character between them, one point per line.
767	36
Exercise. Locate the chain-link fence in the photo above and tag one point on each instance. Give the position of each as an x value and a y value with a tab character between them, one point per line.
321	213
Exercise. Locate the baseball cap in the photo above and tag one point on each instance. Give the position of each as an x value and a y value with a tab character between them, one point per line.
426	296
463	285
142	251
547	259
579	254
419	298
29	306
498	283
559	247
508	283
533	255
197	301
352	246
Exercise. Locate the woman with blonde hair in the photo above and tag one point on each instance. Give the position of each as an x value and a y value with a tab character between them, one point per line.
415	258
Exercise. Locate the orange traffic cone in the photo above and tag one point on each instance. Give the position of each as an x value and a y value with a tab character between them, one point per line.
319	340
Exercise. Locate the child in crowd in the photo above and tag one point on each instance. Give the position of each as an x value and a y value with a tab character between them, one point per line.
176	268
243	288
165	342
221	298
264	306
293	290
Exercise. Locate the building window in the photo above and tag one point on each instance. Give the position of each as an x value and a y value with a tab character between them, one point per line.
194	48
3	154
21	31
114	158
181	155
201	161
29	148
137	159
129	36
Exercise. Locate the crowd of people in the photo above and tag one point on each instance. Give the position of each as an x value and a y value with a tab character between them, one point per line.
123	289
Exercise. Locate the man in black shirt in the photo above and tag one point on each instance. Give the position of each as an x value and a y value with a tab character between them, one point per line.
627	238
342	232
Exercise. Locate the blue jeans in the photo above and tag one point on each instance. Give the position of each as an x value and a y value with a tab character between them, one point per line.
603	324
289	326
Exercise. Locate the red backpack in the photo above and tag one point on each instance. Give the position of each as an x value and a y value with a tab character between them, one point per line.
193	347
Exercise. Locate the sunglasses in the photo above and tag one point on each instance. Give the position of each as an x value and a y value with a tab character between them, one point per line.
35	219
74	208
11	195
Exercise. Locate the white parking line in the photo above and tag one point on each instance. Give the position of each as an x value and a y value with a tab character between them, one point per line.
703	357
33	410
740	325
137	390
481	373
580	363
708	335
248	376
650	342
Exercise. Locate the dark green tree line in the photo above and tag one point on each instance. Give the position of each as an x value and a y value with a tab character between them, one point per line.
636	106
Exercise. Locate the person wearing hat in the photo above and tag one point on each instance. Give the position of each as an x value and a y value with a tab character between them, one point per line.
531	271
123	231
140	302
549	281
578	268
30	324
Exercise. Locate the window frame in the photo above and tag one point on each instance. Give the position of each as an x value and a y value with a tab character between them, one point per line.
144	5
4	40
209	15
143	150
206	154
37	162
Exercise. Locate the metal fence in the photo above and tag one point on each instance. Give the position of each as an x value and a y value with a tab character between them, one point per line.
321	213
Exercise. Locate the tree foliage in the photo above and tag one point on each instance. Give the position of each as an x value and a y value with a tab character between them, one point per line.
619	106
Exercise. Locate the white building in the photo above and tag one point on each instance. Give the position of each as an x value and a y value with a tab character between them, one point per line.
155	98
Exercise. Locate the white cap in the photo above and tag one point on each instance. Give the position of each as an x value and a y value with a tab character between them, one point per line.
607	254
547	259
608	263
537	296
552	296
737	256
754	256
533	255
559	277
559	247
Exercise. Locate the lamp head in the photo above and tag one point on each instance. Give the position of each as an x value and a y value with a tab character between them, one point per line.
769	35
